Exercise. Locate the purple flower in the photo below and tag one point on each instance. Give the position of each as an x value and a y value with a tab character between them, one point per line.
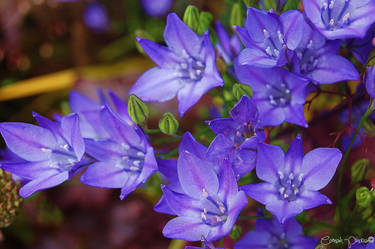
370	81
358	245
273	235
89	112
292	180
361	48
95	16
317	59
156	8
278	94
186	67
209	204
268	37
228	47
237	137
338	19
206	245
125	159
51	153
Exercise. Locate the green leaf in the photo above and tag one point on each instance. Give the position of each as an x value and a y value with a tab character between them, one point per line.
291	5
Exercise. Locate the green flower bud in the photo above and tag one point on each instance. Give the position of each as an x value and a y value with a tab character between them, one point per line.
191	17
137	109
369	127
240	89
236	16
371	59
168	124
365	214
236	232
10	201
205	19
363	197
359	169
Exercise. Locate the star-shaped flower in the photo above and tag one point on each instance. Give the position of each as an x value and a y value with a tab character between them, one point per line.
291	181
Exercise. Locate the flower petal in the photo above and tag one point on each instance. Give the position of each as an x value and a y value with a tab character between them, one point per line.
269	160
104	175
283	209
244	111
262	192
293	25
72	133
186	228
161	55
294	155
188	143
319	166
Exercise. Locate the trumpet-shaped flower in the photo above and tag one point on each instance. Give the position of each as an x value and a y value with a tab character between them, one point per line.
269	38
338	19
228	47
209	203
278	94
49	154
125	159
291	181
237	137
273	235
186	67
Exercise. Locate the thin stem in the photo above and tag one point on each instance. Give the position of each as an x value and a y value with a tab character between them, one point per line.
151	131
346	155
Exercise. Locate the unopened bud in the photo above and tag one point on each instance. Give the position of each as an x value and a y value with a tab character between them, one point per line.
137	109
205	19
191	17
359	169
363	197
236	232
236	15
240	89
168	124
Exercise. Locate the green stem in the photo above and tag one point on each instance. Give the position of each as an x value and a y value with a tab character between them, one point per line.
151	131
346	155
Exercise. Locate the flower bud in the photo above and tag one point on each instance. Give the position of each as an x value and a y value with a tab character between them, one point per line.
168	124
236	232
363	197
236	15
137	109
359	169
240	89
191	17
369	127
205	19
10	201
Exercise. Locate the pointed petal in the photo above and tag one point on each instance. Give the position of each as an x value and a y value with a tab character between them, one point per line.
226	126
196	177
227	182
270	159
29	170
294	155
28	141
157	84
188	143
121	107
180	38
161	55
72	133
244	36
244	111
293	24
334	68
79	102
51	126
163	207
262	192
256	57
259	20
220	147
181	204
283	209
319	166
186	228
41	183
310	199
104	175
295	114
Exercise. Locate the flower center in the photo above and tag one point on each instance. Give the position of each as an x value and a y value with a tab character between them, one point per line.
191	69
308	61
289	186
278	242
273	43
243	132
335	14
62	157
279	95
214	212
132	159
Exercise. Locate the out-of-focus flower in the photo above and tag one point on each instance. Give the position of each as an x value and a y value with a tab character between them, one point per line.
338	19
273	235
228	47
186	67
359	245
156	8
52	153
317	59
292	180
96	17
206	245
278	94
237	137
269	38
370	81
361	48
125	159
209	204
